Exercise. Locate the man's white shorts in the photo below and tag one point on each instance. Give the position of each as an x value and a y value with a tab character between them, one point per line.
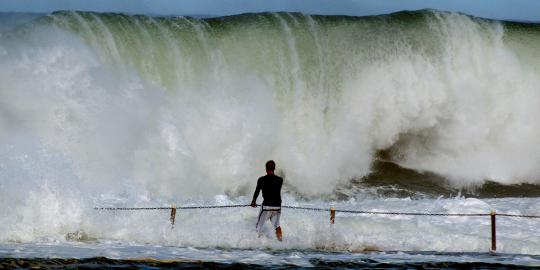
269	212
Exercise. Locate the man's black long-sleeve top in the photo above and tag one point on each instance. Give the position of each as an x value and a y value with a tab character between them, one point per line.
270	185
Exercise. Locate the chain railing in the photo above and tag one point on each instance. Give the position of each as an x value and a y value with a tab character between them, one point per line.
333	212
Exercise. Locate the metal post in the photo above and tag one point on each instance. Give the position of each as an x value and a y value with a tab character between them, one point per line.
332	215
173	214
493	232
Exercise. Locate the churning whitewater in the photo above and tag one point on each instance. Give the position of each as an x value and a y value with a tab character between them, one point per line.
121	110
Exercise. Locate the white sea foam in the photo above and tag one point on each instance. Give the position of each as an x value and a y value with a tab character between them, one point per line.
141	111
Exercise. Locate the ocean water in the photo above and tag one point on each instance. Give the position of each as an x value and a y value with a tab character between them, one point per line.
422	112
151	257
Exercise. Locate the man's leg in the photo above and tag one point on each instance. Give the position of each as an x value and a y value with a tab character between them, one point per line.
263	216
274	218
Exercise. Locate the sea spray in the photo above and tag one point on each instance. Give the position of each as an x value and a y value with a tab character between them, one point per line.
113	109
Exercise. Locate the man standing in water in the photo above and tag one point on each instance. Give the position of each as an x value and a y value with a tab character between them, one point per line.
270	184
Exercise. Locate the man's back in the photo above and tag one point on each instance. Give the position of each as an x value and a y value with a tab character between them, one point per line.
270	185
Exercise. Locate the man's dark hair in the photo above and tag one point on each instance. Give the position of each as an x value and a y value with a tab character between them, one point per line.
270	165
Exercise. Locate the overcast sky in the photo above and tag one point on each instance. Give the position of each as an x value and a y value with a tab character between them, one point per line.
525	10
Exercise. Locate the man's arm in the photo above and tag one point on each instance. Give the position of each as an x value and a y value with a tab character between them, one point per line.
256	194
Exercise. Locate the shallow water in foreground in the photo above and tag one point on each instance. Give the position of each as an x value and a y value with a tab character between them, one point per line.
228	235
117	255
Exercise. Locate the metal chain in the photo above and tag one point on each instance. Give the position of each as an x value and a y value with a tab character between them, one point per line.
169	208
314	209
523	216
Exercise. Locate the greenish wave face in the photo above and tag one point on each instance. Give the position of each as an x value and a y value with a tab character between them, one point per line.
274	44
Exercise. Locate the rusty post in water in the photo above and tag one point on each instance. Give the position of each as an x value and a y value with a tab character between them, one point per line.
173	214
332	215
493	232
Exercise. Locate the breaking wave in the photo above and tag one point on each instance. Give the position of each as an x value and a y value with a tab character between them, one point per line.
124	109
